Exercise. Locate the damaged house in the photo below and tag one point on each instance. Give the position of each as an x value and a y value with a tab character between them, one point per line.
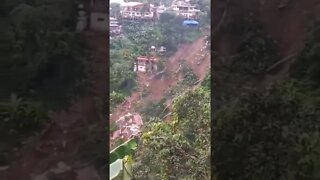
145	64
129	126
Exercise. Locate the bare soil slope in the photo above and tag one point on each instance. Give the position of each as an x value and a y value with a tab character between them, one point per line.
194	54
284	20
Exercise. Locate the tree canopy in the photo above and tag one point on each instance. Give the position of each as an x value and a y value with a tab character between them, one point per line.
182	146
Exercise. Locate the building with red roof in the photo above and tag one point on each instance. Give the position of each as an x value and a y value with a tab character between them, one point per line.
145	63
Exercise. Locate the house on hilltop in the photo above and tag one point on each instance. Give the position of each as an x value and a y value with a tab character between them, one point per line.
185	9
145	64
114	27
137	10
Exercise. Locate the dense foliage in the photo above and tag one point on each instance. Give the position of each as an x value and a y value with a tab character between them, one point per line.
307	66
42	61
256	54
19	119
182	151
43	58
137	40
269	133
152	110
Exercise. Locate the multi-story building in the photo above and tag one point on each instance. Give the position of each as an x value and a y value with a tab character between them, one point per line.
185	9
115	28
136	10
144	64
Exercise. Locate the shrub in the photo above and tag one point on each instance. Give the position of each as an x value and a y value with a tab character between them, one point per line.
115	99
265	135
113	127
154	109
19	120
256	54
307	65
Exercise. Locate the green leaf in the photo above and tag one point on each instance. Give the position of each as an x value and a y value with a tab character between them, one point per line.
122	150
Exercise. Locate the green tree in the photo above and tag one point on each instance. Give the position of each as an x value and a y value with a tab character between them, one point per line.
307	66
267	135
19	119
181	151
256	54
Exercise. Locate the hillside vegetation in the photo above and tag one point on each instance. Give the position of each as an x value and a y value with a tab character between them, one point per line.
265	128
42	62
176	146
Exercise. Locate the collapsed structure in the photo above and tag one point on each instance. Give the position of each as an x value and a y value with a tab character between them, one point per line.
145	64
129	126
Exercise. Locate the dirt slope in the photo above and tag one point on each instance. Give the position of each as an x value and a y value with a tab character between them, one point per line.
157	87
283	20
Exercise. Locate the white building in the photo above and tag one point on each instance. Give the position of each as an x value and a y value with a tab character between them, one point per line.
136	10
144	64
115	28
185	9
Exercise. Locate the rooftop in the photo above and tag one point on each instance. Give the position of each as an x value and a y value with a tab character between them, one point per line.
145	58
183	4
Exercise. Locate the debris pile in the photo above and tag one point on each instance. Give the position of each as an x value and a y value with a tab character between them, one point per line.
129	126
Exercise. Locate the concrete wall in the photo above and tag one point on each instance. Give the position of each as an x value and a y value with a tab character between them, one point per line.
99	21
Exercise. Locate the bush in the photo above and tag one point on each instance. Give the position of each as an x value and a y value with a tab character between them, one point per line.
189	77
176	90
307	65
206	83
266	136
113	127
154	109
179	149
19	120
256	54
115	99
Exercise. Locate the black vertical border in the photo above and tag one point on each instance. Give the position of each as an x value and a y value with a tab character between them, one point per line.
107	100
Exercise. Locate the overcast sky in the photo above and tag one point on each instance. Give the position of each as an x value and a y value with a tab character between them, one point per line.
116	1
